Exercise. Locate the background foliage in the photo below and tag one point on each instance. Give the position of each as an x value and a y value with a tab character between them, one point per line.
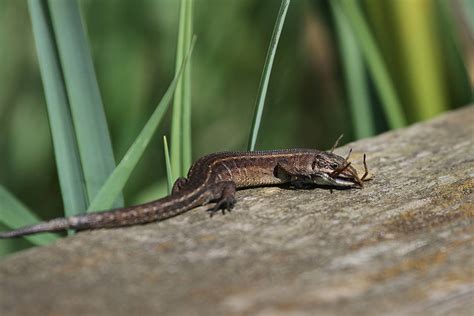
425	45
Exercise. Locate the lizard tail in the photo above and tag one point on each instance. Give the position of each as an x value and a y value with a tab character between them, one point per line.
54	225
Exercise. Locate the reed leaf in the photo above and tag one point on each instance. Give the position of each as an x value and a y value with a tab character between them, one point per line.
90	124
68	163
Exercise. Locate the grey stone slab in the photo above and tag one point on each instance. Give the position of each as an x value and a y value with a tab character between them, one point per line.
401	245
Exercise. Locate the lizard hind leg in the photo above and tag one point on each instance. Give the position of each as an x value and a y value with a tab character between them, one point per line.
179	184
224	193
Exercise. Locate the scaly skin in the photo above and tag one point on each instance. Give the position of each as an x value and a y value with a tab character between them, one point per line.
215	178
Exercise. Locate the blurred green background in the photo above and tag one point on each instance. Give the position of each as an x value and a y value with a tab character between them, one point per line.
426	45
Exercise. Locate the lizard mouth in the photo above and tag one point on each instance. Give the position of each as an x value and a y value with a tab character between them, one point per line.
346	175
349	177
348	182
326	179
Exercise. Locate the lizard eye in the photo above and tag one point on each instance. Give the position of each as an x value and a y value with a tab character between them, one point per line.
334	165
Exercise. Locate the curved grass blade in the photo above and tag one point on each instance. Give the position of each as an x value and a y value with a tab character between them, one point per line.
355	76
71	178
115	183
14	215
267	70
390	102
90	124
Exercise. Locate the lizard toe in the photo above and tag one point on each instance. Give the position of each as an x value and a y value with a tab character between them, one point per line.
224	205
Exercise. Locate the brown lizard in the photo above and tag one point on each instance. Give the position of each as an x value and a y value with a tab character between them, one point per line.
215	178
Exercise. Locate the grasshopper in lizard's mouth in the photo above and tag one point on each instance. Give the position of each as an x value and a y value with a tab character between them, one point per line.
345	175
336	171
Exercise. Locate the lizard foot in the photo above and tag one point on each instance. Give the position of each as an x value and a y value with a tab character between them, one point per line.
224	204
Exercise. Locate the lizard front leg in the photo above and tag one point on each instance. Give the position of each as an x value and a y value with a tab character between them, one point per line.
301	177
287	172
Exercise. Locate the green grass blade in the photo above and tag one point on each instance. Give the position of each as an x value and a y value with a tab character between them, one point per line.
169	171
68	162
84	97
457	77
267	69
424	71
181	119
355	76
467	7
176	120
115	183
14	215
390	102
187	90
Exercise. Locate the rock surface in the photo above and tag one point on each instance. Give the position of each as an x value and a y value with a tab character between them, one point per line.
401	245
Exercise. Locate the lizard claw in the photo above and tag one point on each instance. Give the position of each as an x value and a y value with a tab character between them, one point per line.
225	204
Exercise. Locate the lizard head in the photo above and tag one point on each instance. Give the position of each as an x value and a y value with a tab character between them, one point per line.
334	170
